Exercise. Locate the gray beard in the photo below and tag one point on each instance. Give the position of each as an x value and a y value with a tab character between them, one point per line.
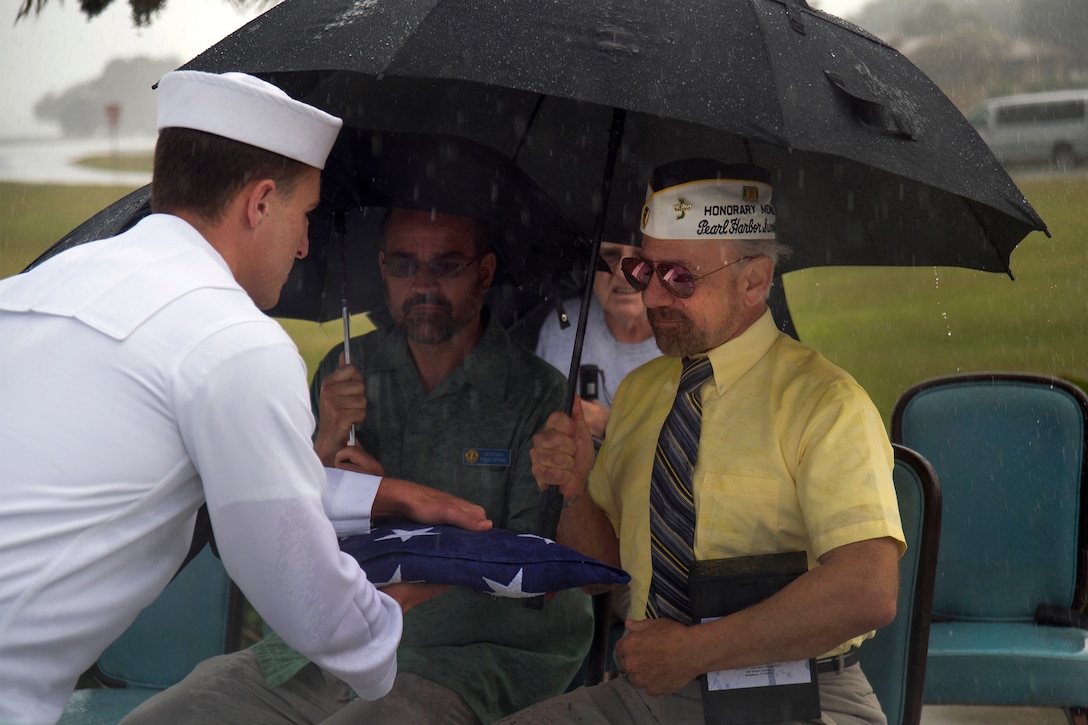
673	342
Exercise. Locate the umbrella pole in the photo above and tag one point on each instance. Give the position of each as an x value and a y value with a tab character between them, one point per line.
551	504
342	233
347	356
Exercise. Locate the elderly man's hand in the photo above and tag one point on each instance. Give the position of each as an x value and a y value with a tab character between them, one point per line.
427	505
563	453
342	405
654	653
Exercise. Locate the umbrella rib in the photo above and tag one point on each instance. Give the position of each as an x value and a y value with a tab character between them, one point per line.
528	127
989	237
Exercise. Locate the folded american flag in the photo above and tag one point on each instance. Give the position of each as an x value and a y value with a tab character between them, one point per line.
502	562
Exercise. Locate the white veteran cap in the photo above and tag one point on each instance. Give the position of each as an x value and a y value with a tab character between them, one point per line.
244	108
706	199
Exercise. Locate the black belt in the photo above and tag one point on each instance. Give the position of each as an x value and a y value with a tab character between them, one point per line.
838	663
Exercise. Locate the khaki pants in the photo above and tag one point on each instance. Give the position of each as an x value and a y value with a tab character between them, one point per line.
231	689
846	699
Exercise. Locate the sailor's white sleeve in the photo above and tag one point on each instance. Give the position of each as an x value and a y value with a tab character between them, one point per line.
245	417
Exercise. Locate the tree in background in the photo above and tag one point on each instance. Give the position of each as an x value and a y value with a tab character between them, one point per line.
974	49
939	16
143	11
1059	22
968	63
80	110
910	17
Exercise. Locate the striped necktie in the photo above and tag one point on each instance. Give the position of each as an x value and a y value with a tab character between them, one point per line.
672	501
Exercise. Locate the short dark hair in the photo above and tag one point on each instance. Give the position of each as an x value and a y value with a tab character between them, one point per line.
482	236
200	172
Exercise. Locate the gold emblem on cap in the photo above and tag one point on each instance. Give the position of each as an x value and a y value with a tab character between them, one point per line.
750	193
472	455
645	215
681	207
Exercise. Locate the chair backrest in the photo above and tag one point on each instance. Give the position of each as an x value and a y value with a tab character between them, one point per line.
894	660
1009	449
196	617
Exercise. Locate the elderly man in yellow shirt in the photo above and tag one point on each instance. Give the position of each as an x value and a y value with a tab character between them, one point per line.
785	452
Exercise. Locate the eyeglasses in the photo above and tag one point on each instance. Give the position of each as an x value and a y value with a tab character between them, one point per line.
441	268
677	281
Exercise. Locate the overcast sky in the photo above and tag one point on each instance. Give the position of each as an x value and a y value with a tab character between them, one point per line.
60	48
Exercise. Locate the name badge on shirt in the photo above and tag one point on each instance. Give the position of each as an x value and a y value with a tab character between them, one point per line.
485	457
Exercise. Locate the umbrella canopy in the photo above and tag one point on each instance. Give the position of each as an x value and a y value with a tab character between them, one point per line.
872	163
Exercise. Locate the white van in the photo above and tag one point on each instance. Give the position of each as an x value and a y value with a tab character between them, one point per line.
1035	127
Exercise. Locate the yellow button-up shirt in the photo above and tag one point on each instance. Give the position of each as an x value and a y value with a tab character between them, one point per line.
793	456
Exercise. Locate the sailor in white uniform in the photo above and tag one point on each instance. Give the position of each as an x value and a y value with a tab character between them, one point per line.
139	379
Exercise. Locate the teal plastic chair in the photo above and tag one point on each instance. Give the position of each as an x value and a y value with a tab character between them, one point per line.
894	660
1009	449
199	615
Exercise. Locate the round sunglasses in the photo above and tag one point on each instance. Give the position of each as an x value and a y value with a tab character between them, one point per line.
677	280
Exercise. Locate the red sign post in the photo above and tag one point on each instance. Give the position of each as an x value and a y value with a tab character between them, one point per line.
113	122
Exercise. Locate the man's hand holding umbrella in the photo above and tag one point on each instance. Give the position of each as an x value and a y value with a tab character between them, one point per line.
342	406
562	456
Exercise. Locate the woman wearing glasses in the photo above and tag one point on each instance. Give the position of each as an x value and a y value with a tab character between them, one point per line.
618	337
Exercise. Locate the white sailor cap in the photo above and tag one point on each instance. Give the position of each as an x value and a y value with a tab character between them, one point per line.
705	199
247	109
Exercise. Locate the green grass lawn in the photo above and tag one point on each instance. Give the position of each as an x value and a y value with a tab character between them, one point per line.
128	161
34	216
890	327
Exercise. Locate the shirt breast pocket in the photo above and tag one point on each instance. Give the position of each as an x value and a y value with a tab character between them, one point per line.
483	485
736	516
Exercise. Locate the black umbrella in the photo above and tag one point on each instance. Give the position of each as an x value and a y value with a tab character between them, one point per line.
873	164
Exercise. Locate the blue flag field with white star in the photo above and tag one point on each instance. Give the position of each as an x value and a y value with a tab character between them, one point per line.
501	562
